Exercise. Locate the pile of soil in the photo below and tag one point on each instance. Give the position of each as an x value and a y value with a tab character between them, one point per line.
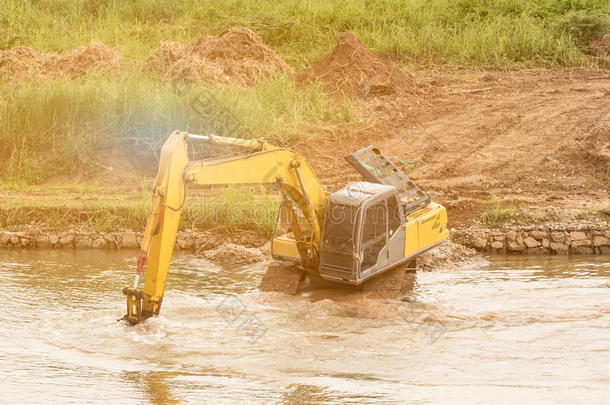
22	61
593	147
352	69
239	55
78	61
449	255
231	254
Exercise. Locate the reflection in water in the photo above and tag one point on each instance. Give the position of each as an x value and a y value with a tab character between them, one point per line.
155	385
518	328
304	394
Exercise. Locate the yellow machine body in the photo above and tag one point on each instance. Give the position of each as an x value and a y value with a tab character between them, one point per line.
304	204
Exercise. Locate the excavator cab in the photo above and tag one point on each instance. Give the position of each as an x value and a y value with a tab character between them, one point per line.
363	234
371	226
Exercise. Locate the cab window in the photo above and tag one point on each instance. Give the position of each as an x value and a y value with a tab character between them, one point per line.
373	234
393	214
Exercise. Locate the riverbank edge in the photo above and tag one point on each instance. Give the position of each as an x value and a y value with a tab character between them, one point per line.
551	238
555	239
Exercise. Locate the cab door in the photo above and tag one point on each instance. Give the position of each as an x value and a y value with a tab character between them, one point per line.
396	230
373	246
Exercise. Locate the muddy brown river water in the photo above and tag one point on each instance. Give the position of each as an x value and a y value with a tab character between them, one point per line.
529	329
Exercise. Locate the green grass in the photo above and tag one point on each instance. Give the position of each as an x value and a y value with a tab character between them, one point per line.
50	127
245	207
59	128
54	127
591	212
62	206
473	32
495	213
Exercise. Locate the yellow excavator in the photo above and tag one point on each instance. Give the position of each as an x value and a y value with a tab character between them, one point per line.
352	235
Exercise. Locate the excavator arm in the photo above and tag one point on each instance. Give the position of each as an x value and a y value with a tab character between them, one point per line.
262	163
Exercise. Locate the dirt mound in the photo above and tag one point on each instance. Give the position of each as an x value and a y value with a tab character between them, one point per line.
231	254
282	277
22	61
449	255
95	55
594	147
239	55
353	70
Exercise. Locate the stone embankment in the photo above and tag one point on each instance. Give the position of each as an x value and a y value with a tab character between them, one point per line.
187	240
561	239
583	238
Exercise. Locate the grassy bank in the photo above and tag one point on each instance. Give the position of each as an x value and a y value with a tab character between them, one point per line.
55	127
68	131
64	206
473	32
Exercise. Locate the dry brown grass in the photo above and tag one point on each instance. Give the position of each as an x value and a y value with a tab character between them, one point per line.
240	56
600	46
23	62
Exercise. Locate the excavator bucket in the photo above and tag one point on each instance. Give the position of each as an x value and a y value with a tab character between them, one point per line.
134	305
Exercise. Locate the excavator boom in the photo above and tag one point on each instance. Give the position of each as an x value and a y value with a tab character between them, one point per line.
262	163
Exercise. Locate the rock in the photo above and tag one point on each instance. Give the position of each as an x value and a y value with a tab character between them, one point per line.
201	242
499	238
129	240
266	248
14	240
546	243
607	234
605	250
583	250
578	243
559	237
25	242
601	241
531	242
43	242
99	243
536	251
577	235
559	248
511	236
538	235
4	238
519	240
185	243
83	242
112	240
66	240
479	243
515	247
54	239
497	245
